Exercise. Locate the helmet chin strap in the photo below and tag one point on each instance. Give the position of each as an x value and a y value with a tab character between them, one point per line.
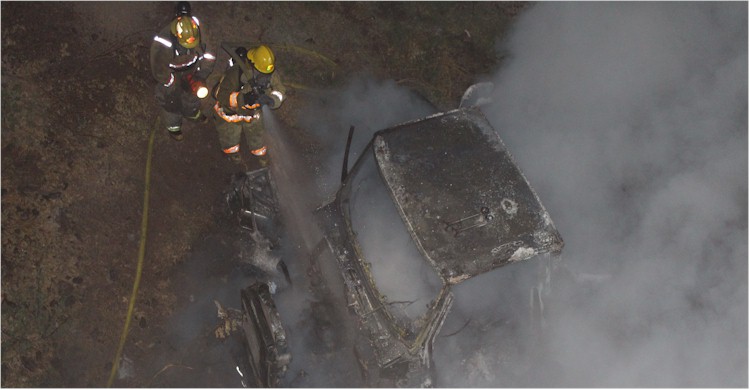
199	49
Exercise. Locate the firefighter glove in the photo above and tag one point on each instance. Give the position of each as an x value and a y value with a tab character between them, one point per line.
265	100
251	98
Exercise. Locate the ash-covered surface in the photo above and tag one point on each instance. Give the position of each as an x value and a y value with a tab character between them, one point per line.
77	109
467	203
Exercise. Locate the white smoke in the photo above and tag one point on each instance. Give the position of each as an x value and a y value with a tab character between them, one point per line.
630	121
369	106
324	358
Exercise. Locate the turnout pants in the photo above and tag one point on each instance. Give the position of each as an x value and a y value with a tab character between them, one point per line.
230	135
178	105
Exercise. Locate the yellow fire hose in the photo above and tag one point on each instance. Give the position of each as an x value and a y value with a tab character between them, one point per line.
141	255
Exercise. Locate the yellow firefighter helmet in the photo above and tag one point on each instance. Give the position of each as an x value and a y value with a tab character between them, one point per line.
187	30
262	57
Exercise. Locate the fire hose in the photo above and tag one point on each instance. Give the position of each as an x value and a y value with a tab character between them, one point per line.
141	255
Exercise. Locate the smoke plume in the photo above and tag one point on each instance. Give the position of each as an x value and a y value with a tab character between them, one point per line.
630	121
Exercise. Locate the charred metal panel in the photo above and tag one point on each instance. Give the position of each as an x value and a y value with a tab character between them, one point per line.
406	358
265	336
466	203
360	298
253	200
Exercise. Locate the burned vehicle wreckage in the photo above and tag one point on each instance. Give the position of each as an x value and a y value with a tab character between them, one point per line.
428	204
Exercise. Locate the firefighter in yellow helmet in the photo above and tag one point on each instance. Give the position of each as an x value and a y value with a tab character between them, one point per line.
180	63
246	87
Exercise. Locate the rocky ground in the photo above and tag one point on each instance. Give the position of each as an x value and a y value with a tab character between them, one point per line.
77	111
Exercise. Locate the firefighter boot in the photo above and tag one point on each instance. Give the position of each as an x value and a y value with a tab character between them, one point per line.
199	117
175	132
264	160
261	155
234	157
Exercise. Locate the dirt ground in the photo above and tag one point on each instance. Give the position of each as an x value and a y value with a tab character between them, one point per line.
77	111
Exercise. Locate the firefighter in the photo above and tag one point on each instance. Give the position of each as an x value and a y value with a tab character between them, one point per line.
245	88
180	63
